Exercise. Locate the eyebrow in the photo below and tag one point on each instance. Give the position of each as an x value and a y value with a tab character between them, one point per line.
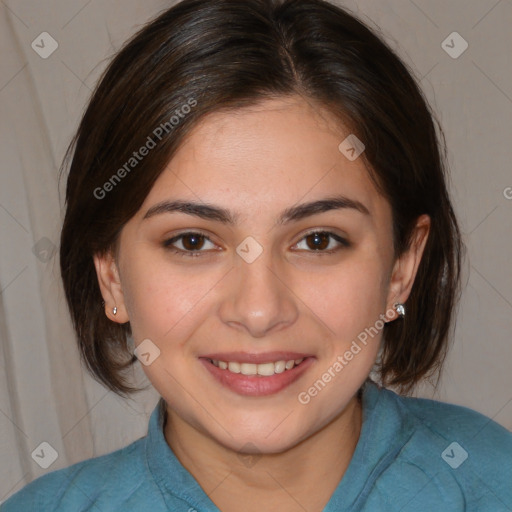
293	214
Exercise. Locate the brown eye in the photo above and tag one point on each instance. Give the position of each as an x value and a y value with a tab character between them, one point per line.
318	241
189	244
193	241
322	242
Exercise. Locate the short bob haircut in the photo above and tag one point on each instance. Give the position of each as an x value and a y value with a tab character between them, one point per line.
204	56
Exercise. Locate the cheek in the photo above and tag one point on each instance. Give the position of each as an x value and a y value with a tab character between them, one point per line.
164	301
350	297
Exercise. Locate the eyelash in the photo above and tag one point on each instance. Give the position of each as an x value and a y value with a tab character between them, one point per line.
167	244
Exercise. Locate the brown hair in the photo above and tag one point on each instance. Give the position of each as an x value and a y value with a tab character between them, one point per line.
202	56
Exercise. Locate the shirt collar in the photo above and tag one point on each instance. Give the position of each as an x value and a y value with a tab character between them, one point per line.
167	471
380	440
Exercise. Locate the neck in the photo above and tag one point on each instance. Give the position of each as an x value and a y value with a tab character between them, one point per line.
266	481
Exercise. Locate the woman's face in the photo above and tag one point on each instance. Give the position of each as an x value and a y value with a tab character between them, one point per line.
282	253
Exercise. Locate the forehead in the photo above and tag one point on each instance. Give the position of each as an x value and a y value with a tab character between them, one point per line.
264	159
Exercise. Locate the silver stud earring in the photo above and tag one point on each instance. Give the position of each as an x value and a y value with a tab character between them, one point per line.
400	309
114	310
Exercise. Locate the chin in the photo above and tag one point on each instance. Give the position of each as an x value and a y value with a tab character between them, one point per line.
272	435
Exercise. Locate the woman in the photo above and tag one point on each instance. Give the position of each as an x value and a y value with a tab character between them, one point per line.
257	212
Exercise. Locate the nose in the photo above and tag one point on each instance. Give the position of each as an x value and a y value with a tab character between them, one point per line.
257	298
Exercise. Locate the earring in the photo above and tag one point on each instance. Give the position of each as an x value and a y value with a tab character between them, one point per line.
114	310
400	309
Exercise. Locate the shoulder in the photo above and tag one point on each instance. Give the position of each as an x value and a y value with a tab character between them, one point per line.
77	486
457	453
479	433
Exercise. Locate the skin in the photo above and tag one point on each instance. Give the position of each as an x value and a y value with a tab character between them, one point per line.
256	163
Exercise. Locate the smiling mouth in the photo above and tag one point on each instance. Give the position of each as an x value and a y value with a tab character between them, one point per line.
258	370
257	375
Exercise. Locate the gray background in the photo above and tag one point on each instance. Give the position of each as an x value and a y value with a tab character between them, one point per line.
45	396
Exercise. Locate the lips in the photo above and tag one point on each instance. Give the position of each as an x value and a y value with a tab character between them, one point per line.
256	374
247	357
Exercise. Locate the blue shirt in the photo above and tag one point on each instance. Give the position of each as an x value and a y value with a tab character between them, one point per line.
412	455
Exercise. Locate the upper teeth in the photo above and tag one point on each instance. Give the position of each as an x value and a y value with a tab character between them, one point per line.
264	369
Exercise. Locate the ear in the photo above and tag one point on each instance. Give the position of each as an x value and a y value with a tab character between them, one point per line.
110	286
406	266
